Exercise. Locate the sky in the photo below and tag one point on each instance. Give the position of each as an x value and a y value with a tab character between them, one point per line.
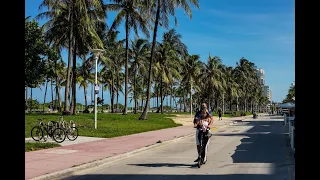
260	31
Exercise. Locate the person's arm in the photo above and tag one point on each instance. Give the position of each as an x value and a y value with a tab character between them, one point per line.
196	120
195	123
210	120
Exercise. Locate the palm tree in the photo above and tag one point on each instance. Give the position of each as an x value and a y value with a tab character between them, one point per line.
244	72
191	68
167	59
85	77
139	50
60	70
111	66
129	11
71	24
162	9
291	94
232	86
212	76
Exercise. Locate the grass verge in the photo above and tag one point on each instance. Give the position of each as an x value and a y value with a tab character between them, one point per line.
34	146
108	125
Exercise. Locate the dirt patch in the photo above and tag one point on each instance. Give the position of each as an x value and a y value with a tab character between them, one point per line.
187	120
183	119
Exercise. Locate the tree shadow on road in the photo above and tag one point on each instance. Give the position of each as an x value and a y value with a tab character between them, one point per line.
176	177
166	165
265	142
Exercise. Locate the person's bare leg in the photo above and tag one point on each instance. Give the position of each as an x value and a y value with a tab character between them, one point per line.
198	150
206	151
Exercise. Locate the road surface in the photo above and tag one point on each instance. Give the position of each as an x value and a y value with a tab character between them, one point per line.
249	150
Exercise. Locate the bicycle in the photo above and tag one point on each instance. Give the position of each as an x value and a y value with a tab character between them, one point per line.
70	128
52	130
202	142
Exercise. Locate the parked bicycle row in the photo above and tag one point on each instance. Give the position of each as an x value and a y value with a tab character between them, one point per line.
57	130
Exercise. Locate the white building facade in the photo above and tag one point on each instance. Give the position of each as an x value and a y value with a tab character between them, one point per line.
265	88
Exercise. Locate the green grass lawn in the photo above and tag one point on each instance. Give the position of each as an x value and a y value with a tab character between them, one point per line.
33	146
108	125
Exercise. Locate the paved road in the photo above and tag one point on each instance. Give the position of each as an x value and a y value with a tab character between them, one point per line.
248	150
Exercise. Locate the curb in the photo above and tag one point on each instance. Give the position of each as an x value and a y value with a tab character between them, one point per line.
98	163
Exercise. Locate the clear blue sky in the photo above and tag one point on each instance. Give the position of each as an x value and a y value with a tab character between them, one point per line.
260	31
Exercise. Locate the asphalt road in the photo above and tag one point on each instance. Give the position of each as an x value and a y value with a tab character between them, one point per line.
249	150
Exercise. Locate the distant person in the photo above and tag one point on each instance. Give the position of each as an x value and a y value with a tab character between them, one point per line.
220	114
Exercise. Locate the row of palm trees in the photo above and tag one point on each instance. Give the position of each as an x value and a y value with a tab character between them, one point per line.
291	94
152	69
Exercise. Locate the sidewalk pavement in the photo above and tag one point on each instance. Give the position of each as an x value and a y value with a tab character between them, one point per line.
64	160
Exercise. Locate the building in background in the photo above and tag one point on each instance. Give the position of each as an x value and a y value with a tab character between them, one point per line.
265	88
267	93
262	77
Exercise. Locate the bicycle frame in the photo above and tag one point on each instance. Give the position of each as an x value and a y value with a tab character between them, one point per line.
48	130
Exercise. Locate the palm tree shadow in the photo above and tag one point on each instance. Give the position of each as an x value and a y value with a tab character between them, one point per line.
177	165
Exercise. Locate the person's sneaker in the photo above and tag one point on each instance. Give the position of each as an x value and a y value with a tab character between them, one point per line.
204	161
196	160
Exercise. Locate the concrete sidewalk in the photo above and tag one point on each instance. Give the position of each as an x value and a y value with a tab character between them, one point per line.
60	161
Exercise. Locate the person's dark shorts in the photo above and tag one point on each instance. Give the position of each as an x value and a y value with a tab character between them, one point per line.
219	115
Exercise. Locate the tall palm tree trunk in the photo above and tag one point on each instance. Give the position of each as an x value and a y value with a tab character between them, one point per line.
66	93
74	79
92	94
117	106
184	104
57	88
245	104
59	97
126	67
237	106
102	97
31	100
157	89
26	97
171	99
111	99
45	95
223	103
161	101
112	95
52	99
85	96
155	30
135	91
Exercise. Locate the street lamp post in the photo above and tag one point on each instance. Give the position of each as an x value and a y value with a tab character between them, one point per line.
191	100
96	52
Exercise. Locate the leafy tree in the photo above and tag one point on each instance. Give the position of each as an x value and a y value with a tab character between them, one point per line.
35	50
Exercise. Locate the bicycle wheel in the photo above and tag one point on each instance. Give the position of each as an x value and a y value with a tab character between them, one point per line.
72	133
59	135
36	133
